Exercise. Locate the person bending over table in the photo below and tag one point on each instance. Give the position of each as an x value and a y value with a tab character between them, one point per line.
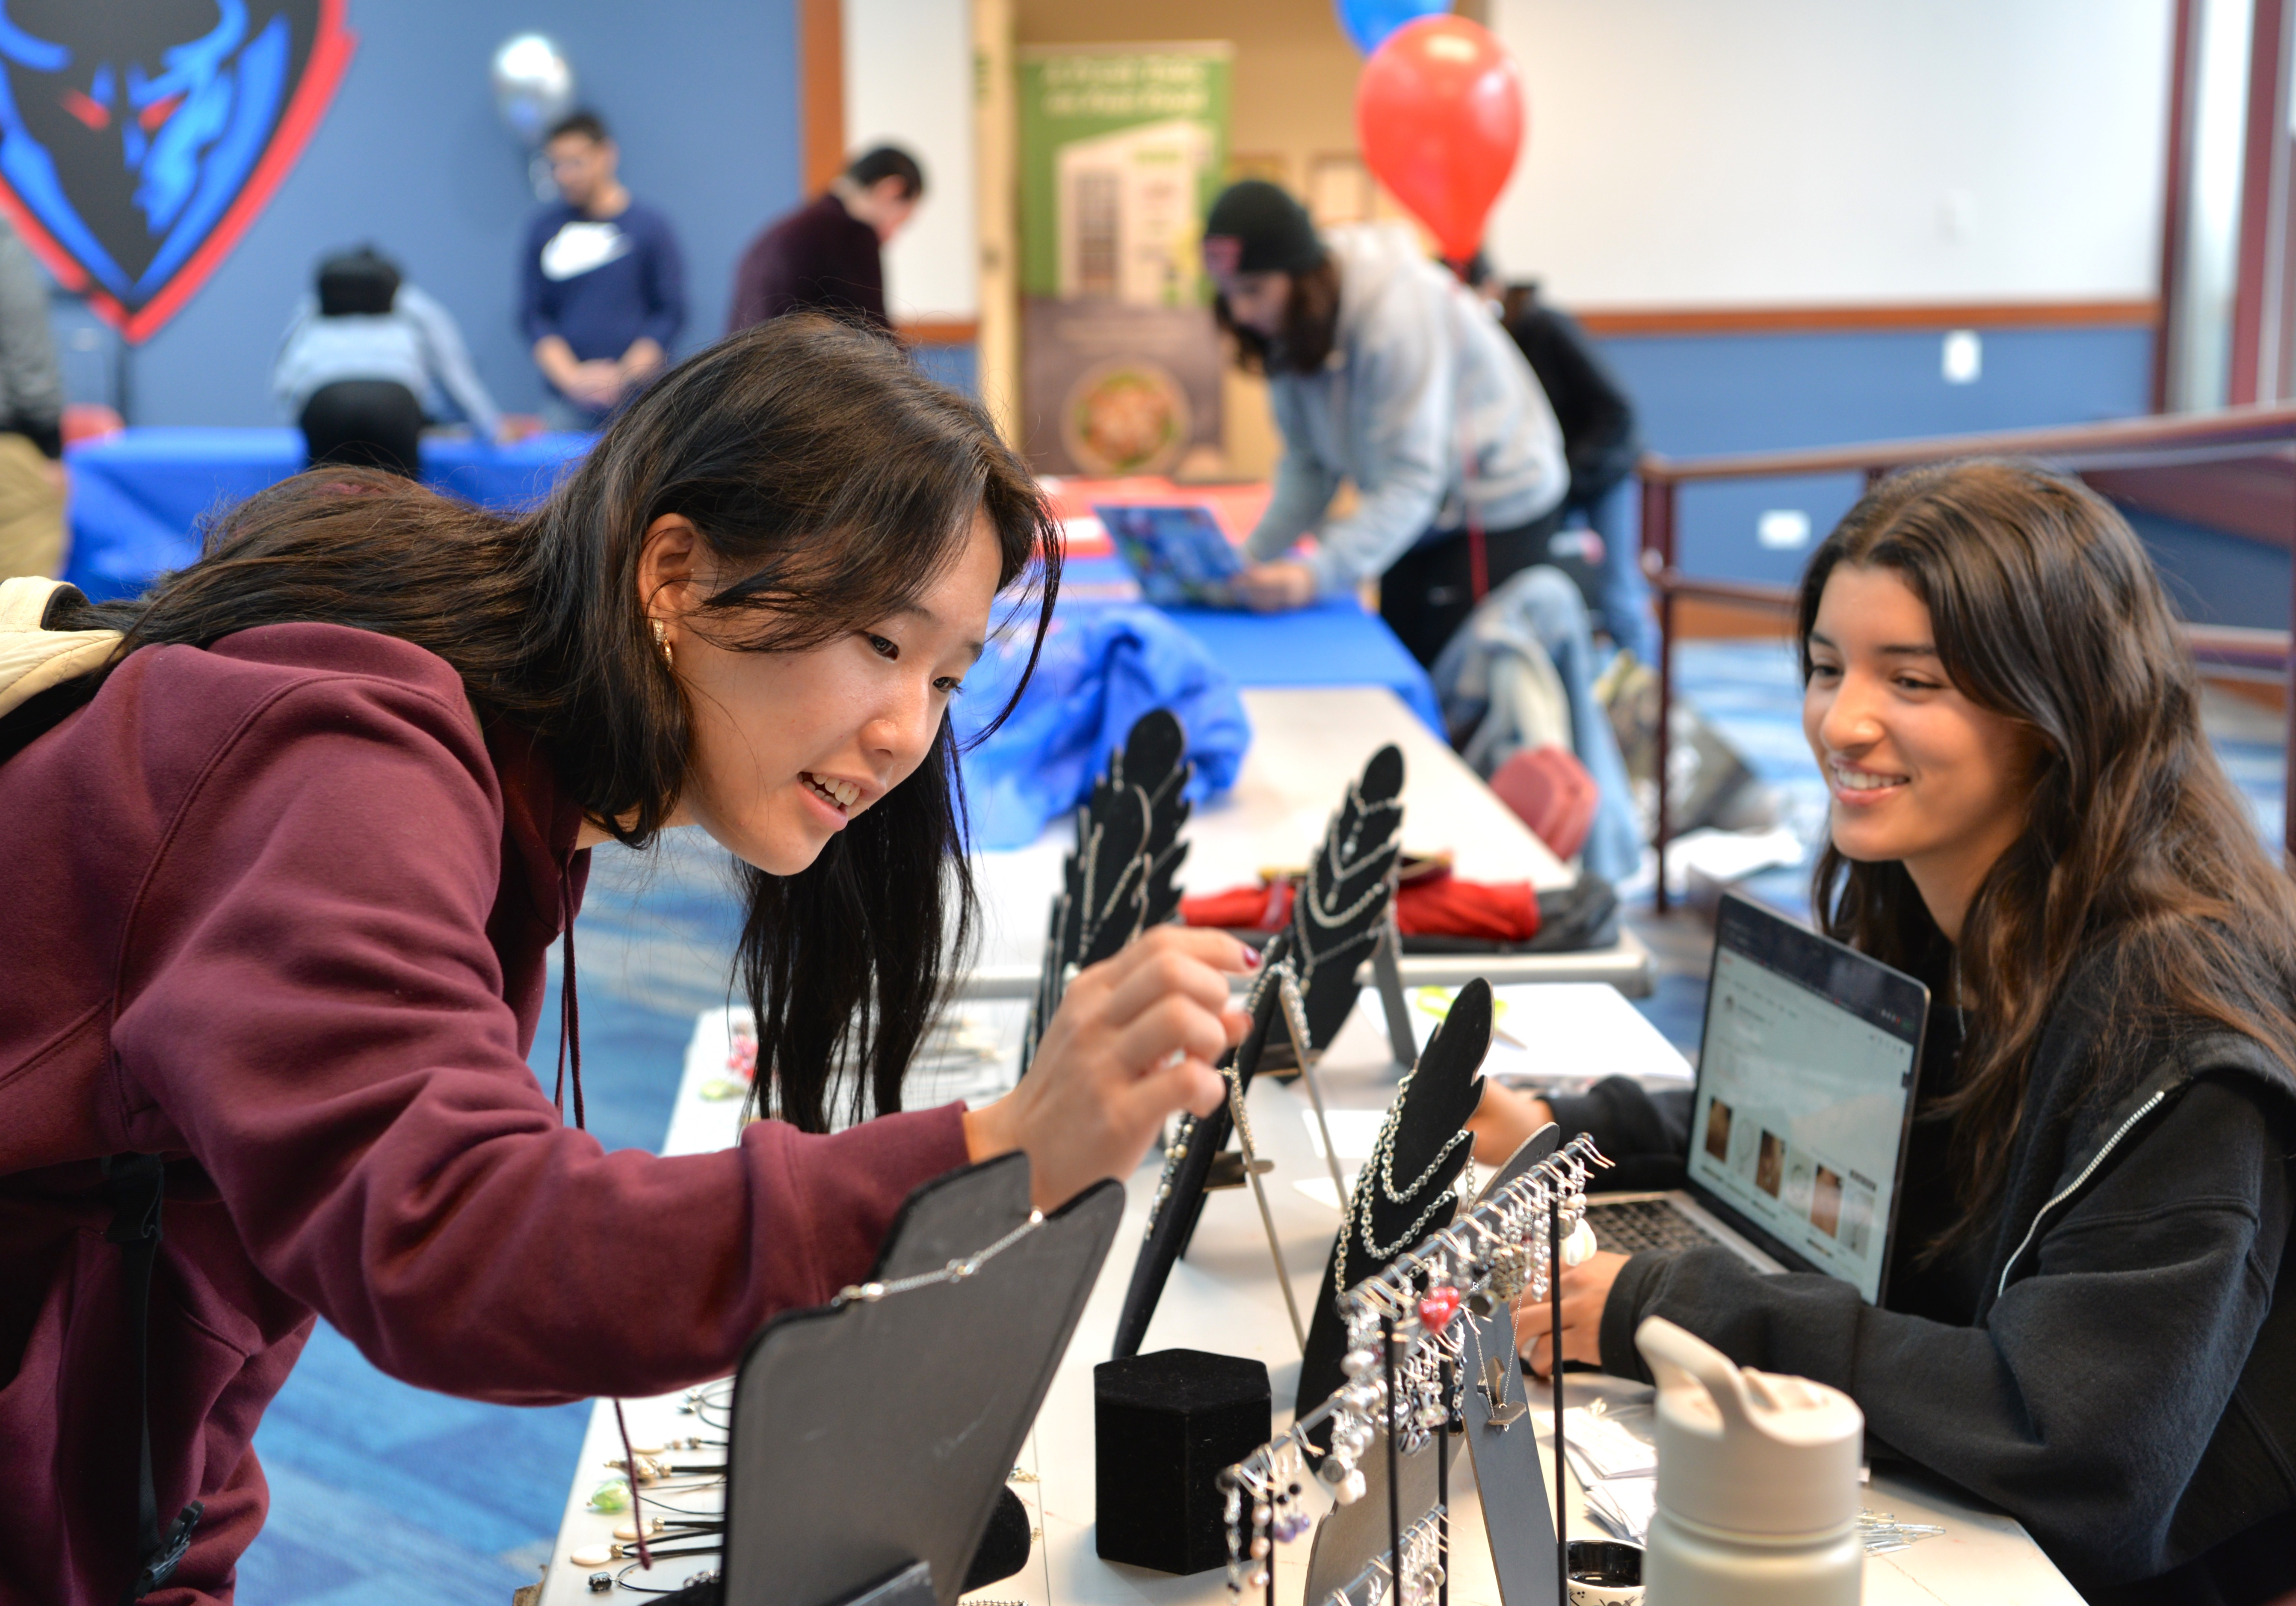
1383	369
2090	1320
288	867
367	358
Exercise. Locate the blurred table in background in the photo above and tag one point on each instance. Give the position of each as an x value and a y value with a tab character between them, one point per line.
137	499
1336	642
137	496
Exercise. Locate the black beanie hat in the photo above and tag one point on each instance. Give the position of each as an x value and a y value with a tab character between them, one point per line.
1256	227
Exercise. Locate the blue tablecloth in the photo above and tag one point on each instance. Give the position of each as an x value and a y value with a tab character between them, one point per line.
1334	643
138	496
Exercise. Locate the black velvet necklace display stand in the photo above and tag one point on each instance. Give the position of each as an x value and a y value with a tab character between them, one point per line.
1337	920
1121	877
1399	1201
1359	1541
872	1440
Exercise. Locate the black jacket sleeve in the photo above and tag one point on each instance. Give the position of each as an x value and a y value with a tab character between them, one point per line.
1592	407
2084	1401
1644	1135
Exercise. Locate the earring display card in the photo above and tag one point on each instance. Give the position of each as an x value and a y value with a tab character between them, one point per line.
1498	1406
877	1434
1402	1194
1336	921
1351	1535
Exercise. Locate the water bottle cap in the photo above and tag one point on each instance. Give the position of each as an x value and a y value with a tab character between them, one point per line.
1745	1451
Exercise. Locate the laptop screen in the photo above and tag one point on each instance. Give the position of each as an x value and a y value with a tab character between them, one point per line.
1805	1093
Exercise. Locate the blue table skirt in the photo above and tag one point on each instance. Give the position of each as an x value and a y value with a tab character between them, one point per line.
1334	643
138	497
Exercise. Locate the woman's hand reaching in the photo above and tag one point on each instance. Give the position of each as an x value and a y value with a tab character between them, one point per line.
1586	1290
1134	1040
1275	588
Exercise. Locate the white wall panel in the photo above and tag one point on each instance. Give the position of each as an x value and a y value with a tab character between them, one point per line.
908	82
1735	152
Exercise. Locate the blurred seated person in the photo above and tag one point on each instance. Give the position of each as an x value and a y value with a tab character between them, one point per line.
602	291
31	414
1601	447
367	359
827	255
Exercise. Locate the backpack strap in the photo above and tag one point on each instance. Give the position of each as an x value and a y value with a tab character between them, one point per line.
33	658
137	1183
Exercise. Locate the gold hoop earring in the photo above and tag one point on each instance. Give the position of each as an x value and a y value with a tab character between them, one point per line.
661	640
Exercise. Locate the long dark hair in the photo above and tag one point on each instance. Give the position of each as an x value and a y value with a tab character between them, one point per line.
1311	324
819	464
2047	611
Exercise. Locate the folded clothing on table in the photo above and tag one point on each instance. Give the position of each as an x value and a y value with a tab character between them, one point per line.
1101	670
1440	912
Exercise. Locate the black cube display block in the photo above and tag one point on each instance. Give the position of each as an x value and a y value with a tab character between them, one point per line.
1165	1424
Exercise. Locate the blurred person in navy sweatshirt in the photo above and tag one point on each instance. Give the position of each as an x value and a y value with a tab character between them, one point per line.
605	288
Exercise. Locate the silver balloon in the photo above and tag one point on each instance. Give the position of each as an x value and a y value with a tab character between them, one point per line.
533	84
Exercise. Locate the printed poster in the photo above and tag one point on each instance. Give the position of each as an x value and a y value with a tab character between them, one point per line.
1122	149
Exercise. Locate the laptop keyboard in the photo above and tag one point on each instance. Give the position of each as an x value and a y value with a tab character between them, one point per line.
1631	1225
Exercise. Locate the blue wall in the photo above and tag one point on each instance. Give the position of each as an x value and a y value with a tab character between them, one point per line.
702	96
1705	394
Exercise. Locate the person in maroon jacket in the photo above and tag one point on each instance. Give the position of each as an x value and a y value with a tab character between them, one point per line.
827	255
284	877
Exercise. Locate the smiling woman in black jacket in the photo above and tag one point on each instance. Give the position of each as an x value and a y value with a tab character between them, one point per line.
2027	814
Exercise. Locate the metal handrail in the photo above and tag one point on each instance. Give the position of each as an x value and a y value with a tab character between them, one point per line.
2117	443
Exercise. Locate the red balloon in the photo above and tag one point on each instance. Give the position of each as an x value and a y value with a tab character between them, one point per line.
1440	112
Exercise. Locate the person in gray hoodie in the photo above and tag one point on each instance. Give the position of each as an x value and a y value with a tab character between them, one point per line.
1383	369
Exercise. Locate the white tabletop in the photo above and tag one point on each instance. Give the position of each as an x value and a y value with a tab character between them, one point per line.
1223	1298
1307	744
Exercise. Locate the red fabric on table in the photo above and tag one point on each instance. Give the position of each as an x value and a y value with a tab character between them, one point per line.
1437	905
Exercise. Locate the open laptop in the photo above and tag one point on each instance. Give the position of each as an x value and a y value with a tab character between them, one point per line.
1802	1105
1179	554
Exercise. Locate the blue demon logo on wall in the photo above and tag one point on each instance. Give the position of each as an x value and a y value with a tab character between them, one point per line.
139	138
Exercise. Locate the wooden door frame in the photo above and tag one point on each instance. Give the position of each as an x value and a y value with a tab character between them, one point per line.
821	91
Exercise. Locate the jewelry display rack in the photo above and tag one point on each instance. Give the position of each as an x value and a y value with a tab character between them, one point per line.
1406	1187
1307	979
1408	1367
1121	877
875	1434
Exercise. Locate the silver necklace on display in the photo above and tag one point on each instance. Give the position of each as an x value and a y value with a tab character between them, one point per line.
955	1271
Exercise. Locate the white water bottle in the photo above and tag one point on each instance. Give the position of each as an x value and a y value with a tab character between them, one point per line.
1758	1490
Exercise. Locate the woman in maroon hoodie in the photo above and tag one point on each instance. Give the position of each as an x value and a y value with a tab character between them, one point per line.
284	878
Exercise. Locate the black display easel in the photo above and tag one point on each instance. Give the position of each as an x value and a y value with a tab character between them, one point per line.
1431	1111
1120	878
1352	875
872	1436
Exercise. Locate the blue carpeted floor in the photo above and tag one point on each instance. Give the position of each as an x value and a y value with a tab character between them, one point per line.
378	1489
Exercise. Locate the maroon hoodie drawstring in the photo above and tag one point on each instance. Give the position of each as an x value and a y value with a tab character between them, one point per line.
570	1007
570	1048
